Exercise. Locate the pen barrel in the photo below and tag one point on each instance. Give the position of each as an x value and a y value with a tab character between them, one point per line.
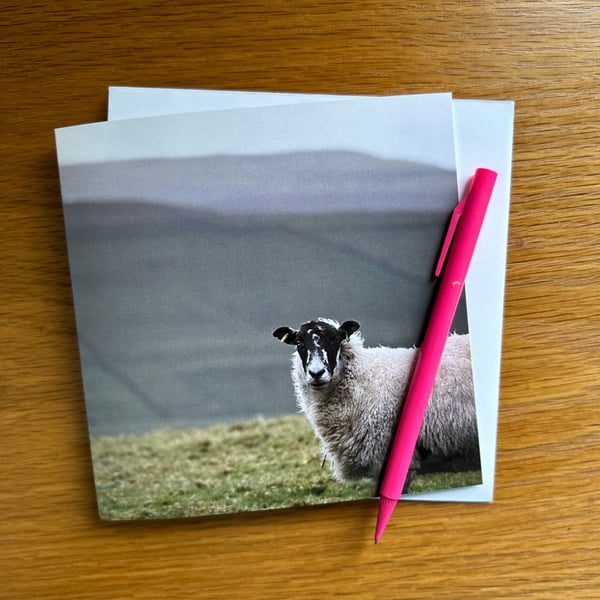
467	232
434	341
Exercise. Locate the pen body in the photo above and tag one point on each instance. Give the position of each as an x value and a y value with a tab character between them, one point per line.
430	354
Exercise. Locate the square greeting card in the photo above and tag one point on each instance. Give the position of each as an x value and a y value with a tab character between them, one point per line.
199	241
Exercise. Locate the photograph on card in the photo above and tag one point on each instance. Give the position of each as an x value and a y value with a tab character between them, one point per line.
248	298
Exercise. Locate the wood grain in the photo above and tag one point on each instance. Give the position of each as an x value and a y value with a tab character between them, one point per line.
540	538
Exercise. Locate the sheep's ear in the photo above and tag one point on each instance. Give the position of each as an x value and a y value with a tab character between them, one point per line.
347	328
286	335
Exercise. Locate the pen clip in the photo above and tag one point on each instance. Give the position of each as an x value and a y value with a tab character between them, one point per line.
456	215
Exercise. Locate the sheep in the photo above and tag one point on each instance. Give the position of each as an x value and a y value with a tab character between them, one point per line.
353	395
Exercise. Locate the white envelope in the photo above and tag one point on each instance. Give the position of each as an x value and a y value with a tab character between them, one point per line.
483	133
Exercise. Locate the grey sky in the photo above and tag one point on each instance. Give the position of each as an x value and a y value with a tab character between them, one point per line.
415	128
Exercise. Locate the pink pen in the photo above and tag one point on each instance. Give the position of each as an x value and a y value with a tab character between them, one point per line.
465	225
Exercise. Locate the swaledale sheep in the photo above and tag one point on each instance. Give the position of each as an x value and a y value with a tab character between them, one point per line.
352	396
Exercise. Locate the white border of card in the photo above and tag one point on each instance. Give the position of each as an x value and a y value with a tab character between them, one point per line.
483	133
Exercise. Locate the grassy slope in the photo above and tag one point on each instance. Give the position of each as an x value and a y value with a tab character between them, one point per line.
256	465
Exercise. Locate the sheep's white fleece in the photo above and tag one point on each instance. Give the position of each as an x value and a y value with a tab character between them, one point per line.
356	415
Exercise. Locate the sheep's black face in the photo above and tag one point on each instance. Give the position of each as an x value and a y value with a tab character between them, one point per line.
318	345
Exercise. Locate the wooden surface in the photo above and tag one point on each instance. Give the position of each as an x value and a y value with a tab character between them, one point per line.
540	538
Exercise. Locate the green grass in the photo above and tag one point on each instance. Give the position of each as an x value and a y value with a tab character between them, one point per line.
248	466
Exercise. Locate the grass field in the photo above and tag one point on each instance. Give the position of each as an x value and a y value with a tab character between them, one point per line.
248	466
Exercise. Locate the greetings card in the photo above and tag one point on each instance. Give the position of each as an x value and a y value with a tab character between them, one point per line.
198	241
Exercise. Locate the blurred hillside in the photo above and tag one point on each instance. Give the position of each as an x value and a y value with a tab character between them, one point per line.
176	305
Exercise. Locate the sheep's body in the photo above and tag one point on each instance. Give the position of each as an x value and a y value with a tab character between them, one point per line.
356	413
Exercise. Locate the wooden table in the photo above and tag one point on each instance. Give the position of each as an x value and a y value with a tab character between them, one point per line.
540	538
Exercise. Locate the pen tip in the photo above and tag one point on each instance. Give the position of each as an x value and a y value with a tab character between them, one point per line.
386	508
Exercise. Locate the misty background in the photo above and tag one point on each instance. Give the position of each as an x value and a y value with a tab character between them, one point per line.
182	268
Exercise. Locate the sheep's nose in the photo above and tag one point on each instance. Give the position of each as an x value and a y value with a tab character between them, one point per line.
316	375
